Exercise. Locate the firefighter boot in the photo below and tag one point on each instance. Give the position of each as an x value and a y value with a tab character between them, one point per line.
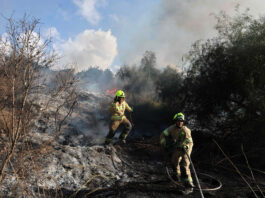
189	183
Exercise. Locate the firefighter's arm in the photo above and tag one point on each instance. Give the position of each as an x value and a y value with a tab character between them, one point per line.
163	136
128	108
187	143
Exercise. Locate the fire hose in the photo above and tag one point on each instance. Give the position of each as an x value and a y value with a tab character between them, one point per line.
197	180
195	173
196	177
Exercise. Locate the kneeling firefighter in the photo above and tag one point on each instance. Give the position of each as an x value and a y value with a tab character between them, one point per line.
181	139
117	109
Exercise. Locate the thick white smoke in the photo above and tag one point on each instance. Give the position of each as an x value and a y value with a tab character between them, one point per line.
176	24
90	48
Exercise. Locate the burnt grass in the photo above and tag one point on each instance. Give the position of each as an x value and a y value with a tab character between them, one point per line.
246	155
145	157
207	158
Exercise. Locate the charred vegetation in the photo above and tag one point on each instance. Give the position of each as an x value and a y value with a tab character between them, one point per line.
23	58
221	92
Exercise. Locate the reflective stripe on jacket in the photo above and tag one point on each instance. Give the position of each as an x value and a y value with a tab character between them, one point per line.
117	110
181	136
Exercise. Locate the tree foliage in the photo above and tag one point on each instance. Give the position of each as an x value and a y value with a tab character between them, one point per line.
170	89
139	81
226	81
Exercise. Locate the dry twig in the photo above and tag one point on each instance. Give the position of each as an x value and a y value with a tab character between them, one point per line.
237	170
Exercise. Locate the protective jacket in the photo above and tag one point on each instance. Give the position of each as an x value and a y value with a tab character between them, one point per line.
180	136
117	117
117	110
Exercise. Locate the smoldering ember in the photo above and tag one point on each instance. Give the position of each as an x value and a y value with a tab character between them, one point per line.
196	130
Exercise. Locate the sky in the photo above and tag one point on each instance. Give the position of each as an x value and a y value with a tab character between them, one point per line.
112	33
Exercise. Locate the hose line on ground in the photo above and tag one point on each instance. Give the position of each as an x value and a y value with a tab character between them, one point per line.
196	177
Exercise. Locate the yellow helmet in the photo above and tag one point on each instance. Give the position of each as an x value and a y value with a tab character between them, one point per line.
179	116
120	94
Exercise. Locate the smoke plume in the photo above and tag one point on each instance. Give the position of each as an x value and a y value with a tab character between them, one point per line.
175	25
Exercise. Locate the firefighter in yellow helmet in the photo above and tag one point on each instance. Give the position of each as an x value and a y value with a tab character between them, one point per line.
182	141
117	109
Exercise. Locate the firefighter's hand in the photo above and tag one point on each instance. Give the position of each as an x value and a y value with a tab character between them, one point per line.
185	148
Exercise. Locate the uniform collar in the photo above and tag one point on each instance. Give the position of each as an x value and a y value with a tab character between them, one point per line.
179	127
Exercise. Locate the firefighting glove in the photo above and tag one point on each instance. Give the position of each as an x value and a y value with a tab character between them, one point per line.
131	109
185	148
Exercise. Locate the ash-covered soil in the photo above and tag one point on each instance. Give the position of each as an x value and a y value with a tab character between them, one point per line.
135	169
76	164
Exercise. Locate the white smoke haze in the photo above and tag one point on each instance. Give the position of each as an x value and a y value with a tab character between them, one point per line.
177	24
114	17
51	32
35	41
5	45
88	9
90	48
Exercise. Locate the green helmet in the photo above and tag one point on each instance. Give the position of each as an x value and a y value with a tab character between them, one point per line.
120	94
179	116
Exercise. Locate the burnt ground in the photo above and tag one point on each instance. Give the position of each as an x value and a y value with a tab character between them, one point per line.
144	161
138	170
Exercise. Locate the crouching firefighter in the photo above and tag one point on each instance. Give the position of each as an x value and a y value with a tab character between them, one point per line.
181	139
117	109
